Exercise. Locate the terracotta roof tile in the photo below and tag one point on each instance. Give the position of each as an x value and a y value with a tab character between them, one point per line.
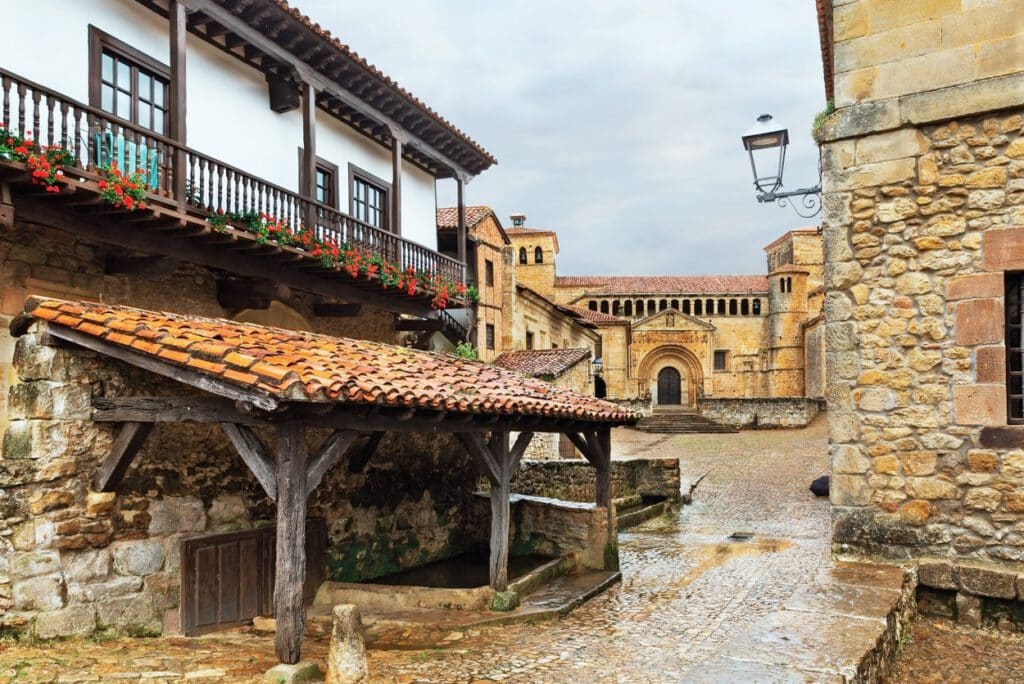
657	285
594	316
448	217
304	366
542	362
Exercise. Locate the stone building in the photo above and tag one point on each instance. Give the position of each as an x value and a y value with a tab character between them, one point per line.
923	194
745	348
101	526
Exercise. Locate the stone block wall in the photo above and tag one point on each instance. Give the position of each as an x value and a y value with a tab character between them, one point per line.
73	560
546	445
576	480
921	223
762	413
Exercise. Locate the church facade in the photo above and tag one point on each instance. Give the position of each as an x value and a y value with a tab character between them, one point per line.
678	342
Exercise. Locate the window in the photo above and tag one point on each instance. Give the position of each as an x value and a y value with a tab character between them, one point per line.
757	307
529	340
639	307
369	200
721	307
538	256
720	360
698	308
732	307
490	336
662	305
599	348
745	307
325	182
1014	348
128	83
686	307
522	255
782	284
604	306
489	272
627	308
592	305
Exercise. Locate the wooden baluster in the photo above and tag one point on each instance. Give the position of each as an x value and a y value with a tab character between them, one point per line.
49	121
83	161
64	124
220	188
200	189
227	188
37	134
21	109
5	116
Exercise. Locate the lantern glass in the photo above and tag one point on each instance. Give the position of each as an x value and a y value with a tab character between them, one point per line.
761	142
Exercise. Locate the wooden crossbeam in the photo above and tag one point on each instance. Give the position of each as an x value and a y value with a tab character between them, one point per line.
518	449
129	441
479	449
358	458
331	451
255	455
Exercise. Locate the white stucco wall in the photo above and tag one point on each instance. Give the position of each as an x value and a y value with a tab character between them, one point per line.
228	112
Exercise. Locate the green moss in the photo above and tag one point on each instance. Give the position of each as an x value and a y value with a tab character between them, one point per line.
821	117
505	601
18	441
611	556
364	560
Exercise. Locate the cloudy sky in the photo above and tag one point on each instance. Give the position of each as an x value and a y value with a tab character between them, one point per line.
616	123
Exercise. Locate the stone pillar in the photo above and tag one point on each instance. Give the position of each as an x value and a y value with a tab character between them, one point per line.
346	659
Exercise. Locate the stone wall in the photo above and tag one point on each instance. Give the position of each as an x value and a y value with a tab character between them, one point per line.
545	445
921	223
576	480
762	413
73	560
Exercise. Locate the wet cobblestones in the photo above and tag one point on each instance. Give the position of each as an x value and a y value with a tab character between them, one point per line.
688	594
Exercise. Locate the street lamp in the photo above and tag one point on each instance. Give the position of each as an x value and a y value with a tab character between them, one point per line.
761	142
598	366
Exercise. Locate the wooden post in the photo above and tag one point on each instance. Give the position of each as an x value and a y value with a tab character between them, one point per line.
604	485
460	233
396	183
500	511
309	151
289	610
176	94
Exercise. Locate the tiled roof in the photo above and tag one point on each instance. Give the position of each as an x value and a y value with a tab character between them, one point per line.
542	362
448	217
308	367
825	34
538	232
658	285
594	316
374	71
789	234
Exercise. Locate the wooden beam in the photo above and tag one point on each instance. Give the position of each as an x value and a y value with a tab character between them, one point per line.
418	324
480	450
176	95
337	309
173	410
460	232
254	454
518	449
183	375
396	182
331	451
580	443
309	148
290	573
127	444
359	457
500	512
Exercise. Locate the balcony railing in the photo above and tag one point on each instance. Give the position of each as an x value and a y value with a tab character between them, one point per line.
177	175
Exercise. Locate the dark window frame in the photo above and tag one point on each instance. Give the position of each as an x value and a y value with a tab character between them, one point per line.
529	339
1013	284
488	272
100	42
721	358
489	335
538	255
522	256
327	168
355	173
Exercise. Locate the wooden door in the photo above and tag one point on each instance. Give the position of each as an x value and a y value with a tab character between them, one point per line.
669	389
228	579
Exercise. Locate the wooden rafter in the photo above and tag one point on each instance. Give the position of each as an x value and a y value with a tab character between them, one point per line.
331	451
254	454
128	442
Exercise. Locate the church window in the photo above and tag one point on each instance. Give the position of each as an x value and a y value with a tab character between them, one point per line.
490	336
732	307
489	272
745	307
757	307
709	307
686	307
592	305
698	307
720	360
522	255
604	306
663	305
538	256
616	307
639	307
675	304
1014	289
652	306
529	340
721	307
628	308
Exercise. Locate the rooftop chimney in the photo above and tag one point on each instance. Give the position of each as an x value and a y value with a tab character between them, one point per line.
518	220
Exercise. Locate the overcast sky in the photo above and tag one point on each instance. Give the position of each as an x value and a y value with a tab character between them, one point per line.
616	123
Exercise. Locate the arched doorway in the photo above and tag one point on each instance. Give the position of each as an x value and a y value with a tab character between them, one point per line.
600	389
669	387
686	366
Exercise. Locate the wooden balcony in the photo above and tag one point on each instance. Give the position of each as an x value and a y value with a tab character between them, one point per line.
185	188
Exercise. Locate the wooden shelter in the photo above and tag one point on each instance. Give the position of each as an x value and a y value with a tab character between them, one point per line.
292	382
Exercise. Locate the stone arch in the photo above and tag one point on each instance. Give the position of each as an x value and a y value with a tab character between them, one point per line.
538	256
680	358
604	306
686	307
732	307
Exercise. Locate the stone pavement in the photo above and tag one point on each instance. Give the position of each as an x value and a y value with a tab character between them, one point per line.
693	605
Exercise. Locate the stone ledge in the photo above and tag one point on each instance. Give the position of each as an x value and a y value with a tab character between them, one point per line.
917	109
977	579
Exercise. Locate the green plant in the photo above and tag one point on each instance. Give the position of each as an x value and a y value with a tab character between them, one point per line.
466	350
819	118
45	163
127	190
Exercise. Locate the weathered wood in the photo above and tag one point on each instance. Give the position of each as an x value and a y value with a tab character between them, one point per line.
479	449
127	444
396	183
360	456
518	449
255	456
581	444
604	471
327	457
290	574
174	410
337	309
460	230
500	512
309	149
177	96
183	375
418	324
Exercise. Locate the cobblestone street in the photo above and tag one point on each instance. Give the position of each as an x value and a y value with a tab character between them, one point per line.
688	599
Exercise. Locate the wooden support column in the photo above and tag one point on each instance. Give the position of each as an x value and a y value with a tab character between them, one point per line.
396	182
309	150
289	611
176	95
460	233
129	441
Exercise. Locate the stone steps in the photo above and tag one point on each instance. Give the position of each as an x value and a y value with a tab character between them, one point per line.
681	423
